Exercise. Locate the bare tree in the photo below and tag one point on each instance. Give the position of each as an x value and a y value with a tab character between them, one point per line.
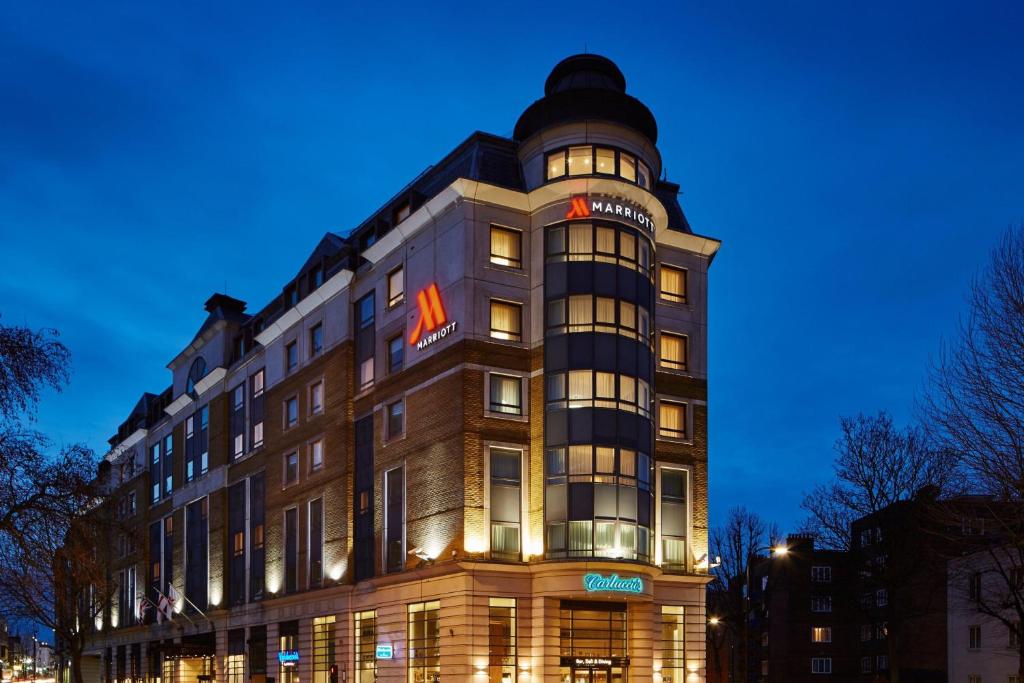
743	536
975	406
876	465
879	470
51	559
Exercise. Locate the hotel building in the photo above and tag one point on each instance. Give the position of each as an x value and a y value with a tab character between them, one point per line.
467	442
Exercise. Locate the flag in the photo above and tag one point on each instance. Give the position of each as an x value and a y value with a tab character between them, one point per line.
144	606
173	597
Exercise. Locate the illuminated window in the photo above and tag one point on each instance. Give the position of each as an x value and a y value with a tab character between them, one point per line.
365	646
506	320
506	247
673	284
396	287
236	656
605	160
627	167
674	518
291	353
316	398
505	503
580	160
501	639
424	643
506	394
672	420
323	648
316	454
673	643
605	244
673	351
581	242
288	640
238	543
581	315
821	634
556	165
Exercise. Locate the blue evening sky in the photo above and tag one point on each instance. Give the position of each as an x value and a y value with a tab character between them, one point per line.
858	160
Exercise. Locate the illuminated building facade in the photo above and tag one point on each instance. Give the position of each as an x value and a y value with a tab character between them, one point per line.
467	442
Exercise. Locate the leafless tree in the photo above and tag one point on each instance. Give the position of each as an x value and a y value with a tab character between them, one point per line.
743	536
975	406
876	465
51	559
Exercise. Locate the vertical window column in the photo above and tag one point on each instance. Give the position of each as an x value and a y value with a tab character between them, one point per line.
674	518
291	550
256	408
365	644
673	642
501	639
506	503
315	551
257	553
197	537
323	648
394	520
424	644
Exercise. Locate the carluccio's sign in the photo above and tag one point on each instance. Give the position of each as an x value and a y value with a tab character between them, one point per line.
599	583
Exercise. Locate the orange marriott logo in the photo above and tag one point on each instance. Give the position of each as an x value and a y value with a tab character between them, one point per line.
581	206
433	324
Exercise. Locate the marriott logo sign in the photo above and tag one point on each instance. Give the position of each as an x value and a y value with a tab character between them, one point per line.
584	207
433	323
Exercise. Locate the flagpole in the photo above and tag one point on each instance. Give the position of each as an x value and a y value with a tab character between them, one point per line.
182	613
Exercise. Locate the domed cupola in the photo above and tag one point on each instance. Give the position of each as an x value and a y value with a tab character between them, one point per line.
586	87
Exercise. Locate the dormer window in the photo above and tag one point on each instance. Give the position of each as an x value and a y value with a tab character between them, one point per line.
316	278
195	373
402	212
590	160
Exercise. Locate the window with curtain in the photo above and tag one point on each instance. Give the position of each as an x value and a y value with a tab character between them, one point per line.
672	419
605	251
580	160
581	242
604	390
506	394
506	247
556	164
673	351
581	315
627	167
605	160
605	314
674	518
506	320
673	284
505	502
581	390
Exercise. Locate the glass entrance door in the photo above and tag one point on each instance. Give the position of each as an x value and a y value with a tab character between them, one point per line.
597	675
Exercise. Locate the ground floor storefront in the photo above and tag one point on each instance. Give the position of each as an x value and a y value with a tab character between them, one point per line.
556	622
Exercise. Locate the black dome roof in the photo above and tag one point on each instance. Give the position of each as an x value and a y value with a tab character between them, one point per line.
586	87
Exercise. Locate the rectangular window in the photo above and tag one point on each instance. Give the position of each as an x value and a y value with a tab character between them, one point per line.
365	339
865	665
291	356
673	284
424	644
580	160
501	639
316	340
881	597
882	662
396	354
291	468
238	421
291	550
235	665
291	412
168	457
627	167
821	665
821	574
204	439
315	524
190	448
821	634
257	551
506	320
396	287
323	648
581	242
197	535
605	160
316	398
316	454
288	641
673	642
506	247
821	603
236	534
556	165
674	518
674	351
256	388
365	646
974	586
155	471
394	520
506	394
396	419
506	503
1014	633
672	420
974	637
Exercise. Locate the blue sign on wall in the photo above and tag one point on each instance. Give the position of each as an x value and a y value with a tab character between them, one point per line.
385	652
288	657
598	582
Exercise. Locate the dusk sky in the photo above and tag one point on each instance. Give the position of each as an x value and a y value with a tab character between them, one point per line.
857	162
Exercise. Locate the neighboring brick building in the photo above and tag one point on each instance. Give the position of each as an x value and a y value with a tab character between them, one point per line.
469	438
801	624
